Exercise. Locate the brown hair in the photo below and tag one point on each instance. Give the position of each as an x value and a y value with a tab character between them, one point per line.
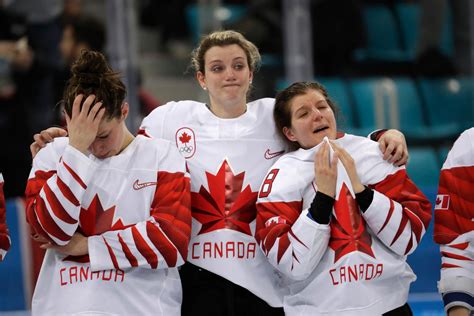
282	110
224	38
92	75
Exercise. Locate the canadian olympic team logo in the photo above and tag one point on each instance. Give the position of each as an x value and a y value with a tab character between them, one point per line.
186	142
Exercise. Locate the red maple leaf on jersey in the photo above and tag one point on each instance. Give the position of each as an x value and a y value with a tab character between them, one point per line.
348	231
184	138
95	221
225	205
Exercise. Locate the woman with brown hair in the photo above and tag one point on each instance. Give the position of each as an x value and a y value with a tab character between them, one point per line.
111	209
334	217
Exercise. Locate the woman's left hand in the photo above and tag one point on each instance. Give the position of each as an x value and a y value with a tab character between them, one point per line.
77	246
394	147
349	164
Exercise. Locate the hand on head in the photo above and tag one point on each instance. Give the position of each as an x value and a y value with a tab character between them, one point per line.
83	124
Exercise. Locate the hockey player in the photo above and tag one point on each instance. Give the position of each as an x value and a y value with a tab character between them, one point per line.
229	144
5	241
454	227
112	209
339	226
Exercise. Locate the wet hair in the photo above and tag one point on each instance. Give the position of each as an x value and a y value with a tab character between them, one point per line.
88	30
92	75
282	110
224	38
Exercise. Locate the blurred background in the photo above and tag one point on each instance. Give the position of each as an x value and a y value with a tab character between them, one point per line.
387	64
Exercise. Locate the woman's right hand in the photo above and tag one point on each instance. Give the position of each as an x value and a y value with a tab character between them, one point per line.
44	137
325	170
83	124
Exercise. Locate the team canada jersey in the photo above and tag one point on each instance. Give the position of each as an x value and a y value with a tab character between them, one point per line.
227	160
454	223
5	241
135	210
356	264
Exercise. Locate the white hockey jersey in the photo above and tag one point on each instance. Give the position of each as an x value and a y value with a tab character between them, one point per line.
135	210
5	241
227	160
356	264
454	223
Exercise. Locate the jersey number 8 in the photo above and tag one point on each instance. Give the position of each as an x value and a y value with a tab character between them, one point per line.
267	184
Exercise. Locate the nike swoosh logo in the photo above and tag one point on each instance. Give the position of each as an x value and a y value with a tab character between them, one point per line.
138	186
270	155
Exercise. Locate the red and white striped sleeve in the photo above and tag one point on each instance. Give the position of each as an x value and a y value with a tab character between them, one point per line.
162	240
292	241
454	223
56	185
5	241
399	213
